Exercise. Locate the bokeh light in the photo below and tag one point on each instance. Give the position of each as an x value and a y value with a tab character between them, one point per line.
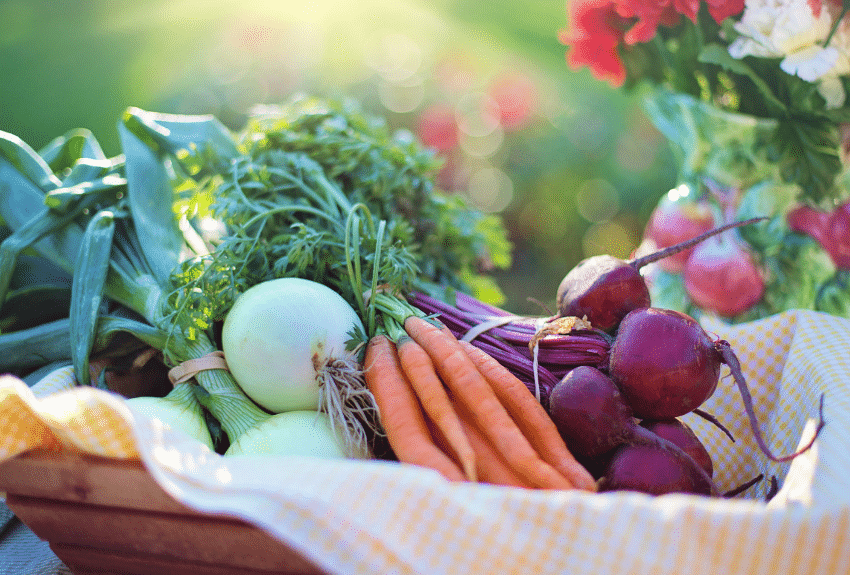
597	201
491	189
571	165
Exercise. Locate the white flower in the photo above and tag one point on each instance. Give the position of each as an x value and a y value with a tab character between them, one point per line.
790	30
777	28
810	63
829	84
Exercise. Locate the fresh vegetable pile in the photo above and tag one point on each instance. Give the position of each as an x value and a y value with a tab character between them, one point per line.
300	287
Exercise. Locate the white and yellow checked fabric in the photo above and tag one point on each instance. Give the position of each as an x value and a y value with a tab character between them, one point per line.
358	517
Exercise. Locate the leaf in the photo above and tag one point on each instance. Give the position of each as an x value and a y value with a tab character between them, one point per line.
87	289
719	55
181	136
26	161
63	152
150	197
808	156
22	206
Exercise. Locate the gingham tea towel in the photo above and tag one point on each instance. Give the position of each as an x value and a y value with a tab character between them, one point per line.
372	517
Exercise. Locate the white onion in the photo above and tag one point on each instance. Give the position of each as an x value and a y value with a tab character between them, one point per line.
302	432
279	335
176	413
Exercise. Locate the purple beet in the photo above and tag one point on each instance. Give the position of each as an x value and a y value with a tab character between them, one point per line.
679	433
594	419
666	365
604	288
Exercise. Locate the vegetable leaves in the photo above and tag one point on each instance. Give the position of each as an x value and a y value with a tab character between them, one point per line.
316	188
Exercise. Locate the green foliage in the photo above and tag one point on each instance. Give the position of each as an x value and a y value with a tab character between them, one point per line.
317	189
693	59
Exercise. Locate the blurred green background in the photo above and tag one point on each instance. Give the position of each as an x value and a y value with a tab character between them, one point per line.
571	164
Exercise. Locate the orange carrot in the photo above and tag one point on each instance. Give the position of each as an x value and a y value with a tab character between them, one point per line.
470	388
531	417
492	467
420	372
400	411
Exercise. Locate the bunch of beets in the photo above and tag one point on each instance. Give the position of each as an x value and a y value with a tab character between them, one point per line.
617	387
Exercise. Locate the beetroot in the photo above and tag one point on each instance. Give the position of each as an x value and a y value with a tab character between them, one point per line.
722	277
665	365
674	221
679	433
653	470
597	426
590	412
604	288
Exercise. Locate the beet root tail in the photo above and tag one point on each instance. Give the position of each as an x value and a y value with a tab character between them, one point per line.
731	360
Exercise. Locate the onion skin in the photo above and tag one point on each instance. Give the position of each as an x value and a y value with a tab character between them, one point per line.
174	414
664	363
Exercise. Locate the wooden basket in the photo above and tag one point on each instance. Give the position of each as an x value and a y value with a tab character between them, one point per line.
109	516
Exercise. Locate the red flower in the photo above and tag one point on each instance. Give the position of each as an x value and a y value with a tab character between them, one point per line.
599	27
722	9
650	13
595	33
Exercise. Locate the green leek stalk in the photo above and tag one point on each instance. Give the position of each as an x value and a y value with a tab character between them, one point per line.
124	277
147	243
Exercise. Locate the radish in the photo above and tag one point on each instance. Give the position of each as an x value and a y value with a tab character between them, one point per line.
593	418
831	230
666	365
722	277
604	288
677	219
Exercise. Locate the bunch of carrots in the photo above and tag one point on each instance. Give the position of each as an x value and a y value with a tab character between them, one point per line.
447	405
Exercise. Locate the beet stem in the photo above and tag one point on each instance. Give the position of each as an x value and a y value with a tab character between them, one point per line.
682	246
743	487
773	489
711	419
731	360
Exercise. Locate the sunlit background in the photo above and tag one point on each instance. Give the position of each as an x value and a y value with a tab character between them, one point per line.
571	164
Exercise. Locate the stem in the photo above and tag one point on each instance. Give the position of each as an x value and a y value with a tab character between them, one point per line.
711	419
731	360
744	486
375	272
333	191
227	402
352	263
299	183
283	209
667	252
835	27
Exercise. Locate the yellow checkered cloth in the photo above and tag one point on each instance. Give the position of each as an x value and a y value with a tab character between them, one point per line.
373	517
